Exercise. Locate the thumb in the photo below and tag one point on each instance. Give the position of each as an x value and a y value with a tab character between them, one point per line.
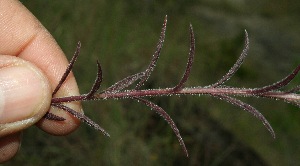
25	94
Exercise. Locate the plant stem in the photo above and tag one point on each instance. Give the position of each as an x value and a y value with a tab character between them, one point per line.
289	97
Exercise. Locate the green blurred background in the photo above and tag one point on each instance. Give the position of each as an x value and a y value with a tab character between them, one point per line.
123	35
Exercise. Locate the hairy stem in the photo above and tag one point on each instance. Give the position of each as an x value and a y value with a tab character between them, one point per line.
291	97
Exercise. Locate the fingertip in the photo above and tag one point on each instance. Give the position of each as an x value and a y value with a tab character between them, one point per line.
9	146
25	94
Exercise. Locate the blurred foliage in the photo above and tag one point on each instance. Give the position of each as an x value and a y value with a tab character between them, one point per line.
123	34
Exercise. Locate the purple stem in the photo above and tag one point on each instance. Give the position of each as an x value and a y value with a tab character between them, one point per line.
290	97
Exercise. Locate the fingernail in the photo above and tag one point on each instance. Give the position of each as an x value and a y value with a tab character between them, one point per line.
21	92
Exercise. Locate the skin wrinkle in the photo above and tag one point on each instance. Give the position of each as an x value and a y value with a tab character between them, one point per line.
4	23
48	62
20	37
38	29
26	45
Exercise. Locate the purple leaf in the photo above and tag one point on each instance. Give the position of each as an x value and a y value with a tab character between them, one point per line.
124	83
237	64
153	62
97	82
247	108
278	84
295	89
53	117
190	61
68	70
82	117
167	117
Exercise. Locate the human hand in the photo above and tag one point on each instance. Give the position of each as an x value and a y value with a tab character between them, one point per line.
31	65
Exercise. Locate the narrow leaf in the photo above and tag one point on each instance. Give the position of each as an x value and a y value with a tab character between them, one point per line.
97	82
82	117
53	117
249	109
167	117
68	70
153	62
124	83
295	89
278	84
237	64
187	72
